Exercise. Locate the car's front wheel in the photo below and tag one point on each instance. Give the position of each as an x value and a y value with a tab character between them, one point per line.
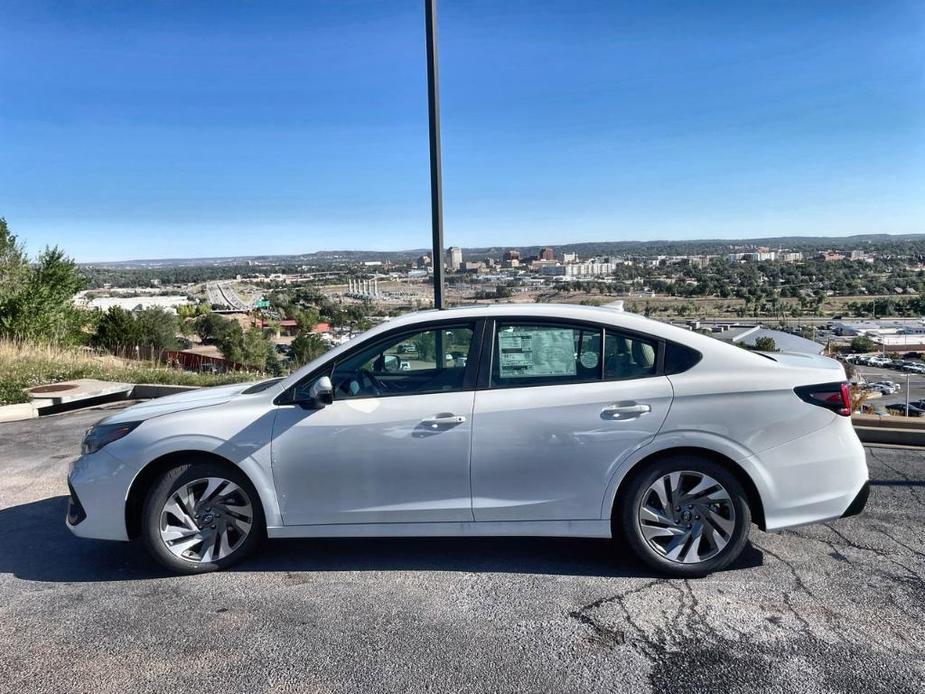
201	516
685	516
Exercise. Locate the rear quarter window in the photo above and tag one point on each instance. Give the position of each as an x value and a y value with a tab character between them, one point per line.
679	358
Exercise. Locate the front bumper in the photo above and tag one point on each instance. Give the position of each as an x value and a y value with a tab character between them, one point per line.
99	485
75	510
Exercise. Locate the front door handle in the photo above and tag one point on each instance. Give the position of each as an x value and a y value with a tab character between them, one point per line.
443	420
625	411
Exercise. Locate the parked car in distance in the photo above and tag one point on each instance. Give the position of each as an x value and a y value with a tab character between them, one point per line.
566	420
900	409
889	386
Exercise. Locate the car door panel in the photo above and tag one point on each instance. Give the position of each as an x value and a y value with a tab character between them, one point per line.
375	460
548	452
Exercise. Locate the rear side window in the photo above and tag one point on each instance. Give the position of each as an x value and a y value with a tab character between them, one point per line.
679	358
527	354
629	356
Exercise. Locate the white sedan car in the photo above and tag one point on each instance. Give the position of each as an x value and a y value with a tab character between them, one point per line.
561	420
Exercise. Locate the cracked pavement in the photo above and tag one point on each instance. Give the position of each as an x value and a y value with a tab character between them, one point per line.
835	607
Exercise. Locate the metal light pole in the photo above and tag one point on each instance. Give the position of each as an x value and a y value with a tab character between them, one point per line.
436	179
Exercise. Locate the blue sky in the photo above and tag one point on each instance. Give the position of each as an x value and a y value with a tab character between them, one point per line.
179	129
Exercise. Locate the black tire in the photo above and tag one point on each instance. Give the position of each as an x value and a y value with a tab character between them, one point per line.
633	497
175	478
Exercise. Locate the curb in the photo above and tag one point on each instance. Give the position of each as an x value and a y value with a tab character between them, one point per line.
902	431
18	412
146	391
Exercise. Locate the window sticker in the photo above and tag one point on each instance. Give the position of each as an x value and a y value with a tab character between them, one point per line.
589	360
531	352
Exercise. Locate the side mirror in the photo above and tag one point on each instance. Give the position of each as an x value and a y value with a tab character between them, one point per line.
321	393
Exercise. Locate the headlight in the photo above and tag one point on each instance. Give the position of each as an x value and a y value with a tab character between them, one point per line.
99	435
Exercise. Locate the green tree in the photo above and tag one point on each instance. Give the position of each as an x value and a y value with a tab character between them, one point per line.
14	265
157	329
862	343
36	302
255	349
230	341
765	344
307	346
212	328
116	330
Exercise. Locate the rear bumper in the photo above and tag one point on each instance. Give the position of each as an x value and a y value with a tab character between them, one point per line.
815	478
860	501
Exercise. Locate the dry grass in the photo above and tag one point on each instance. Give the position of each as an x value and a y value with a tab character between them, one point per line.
24	365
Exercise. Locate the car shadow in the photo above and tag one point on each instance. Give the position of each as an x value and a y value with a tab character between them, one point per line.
35	545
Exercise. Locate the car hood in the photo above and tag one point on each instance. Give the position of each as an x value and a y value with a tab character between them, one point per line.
201	397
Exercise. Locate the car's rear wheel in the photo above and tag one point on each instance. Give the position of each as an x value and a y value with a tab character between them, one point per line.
685	516
201	516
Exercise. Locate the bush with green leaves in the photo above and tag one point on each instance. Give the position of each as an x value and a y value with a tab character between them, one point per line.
36	299
862	343
152	329
307	346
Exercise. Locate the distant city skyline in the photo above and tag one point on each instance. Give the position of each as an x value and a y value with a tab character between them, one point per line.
213	129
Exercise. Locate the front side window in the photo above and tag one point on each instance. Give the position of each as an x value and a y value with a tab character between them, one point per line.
427	361
535	354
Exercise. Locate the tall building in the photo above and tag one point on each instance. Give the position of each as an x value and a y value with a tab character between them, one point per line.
511	255
455	253
547	253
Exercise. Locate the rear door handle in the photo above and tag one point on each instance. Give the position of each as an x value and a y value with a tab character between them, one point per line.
444	420
628	411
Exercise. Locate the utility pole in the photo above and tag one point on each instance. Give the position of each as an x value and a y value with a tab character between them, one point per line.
436	178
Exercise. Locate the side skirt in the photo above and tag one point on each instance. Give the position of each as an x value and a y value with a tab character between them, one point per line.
577	528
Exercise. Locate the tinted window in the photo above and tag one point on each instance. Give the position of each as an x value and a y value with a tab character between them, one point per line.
627	356
531	354
679	358
428	361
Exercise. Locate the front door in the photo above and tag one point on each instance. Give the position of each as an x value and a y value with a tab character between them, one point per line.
558	418
394	445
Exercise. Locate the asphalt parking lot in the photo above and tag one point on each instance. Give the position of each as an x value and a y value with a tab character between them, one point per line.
913	383
838	607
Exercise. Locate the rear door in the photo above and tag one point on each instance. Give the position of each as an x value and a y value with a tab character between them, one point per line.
563	404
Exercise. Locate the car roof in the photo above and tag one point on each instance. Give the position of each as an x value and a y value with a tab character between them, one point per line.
595	314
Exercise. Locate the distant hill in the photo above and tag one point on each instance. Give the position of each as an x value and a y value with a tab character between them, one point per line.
904	243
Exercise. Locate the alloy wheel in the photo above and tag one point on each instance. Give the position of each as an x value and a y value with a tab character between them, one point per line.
687	517
206	520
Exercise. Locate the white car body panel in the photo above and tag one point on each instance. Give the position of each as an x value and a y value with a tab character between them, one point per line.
545	452
536	460
374	460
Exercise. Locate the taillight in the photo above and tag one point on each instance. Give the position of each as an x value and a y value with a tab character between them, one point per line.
832	396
